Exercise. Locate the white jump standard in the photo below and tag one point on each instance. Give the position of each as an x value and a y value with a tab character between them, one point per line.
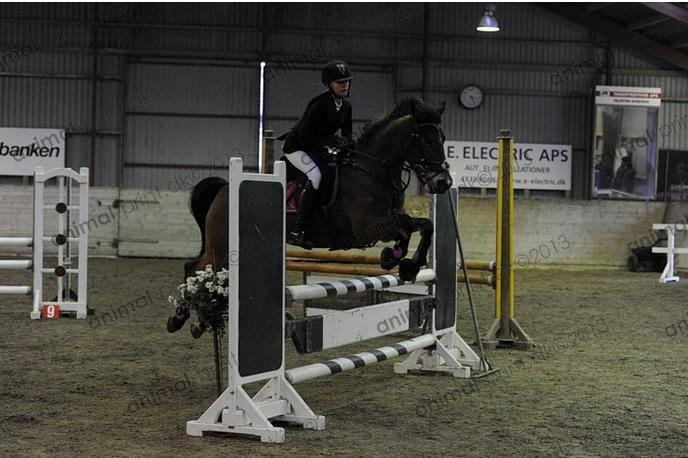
669	275
64	243
256	320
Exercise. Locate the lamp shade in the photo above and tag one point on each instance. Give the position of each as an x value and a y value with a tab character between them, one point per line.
488	23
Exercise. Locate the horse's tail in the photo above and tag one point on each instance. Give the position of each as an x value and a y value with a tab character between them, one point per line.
202	197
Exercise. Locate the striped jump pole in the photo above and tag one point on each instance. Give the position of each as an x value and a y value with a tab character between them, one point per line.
366	358
354	285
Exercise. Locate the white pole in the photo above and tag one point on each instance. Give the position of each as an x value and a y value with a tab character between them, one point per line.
15	265
15	290
16	241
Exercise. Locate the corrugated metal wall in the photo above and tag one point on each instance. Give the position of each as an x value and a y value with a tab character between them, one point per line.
179	116
178	83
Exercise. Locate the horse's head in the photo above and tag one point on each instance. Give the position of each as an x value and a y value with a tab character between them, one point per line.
410	137
426	154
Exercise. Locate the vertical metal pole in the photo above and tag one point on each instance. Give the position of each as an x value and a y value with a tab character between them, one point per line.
426	46
608	64
667	158
395	80
123	127
94	90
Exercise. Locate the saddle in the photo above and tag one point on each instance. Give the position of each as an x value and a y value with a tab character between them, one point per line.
328	160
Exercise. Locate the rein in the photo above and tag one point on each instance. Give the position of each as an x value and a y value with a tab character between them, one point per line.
405	166
421	167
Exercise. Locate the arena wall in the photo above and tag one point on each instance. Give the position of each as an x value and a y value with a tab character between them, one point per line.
549	233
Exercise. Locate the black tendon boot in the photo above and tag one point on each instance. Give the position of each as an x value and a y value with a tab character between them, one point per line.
307	203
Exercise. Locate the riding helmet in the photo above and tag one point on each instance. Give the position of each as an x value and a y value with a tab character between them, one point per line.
336	70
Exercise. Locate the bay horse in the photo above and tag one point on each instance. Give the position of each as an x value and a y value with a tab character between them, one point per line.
367	205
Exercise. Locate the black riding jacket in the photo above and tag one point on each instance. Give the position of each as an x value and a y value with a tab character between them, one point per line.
319	121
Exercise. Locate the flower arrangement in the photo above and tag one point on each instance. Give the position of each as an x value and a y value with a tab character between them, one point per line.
206	293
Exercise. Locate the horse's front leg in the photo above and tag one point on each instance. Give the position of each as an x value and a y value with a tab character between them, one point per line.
409	268
181	314
390	257
399	228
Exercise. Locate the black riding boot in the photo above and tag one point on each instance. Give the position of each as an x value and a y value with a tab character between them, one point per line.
307	203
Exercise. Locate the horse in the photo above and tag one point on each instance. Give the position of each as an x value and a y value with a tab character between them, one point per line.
367	205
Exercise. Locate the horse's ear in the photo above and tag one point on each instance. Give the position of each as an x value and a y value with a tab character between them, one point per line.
441	108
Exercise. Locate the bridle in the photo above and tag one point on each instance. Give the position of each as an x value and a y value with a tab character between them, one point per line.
422	167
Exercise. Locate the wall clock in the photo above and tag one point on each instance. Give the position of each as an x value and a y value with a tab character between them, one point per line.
471	97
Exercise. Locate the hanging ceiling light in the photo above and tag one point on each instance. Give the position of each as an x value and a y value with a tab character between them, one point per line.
488	23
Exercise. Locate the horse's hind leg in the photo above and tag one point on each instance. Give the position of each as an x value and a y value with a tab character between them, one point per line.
409	268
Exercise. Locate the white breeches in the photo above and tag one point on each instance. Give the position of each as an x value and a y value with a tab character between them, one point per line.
302	161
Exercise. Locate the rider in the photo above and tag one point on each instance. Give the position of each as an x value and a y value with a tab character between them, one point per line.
325	114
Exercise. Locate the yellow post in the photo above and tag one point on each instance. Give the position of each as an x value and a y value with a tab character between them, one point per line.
505	330
504	297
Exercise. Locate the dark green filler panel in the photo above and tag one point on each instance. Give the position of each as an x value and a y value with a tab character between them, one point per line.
445	288
261	239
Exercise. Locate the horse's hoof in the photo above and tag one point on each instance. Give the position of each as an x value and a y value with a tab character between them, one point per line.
408	270
173	324
387	259
197	330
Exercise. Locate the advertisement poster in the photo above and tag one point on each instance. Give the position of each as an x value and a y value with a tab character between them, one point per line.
625	143
21	150
537	166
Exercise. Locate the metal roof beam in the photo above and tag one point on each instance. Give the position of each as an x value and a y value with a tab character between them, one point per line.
647	22
672	10
618	35
597	6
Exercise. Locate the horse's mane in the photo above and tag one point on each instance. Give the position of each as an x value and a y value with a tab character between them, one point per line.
419	108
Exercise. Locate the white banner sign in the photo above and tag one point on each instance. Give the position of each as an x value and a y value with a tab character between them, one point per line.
537	166
628	96
21	150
